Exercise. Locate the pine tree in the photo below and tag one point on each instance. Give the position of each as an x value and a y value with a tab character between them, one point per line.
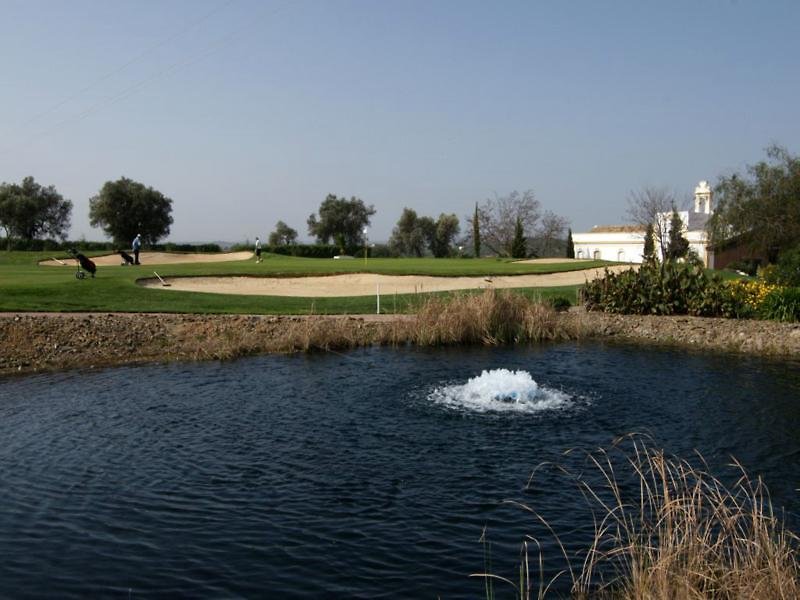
570	245
649	254
518	249
476	233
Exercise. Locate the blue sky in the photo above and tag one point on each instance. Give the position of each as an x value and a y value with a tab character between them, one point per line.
246	112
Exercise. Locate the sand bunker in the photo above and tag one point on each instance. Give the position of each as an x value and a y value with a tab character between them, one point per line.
366	284
156	258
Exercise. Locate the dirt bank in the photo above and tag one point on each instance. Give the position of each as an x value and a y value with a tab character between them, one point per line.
43	342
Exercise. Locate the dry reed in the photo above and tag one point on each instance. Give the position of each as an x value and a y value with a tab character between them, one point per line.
669	530
493	317
489	318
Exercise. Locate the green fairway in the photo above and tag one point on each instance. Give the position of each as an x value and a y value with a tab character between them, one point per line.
27	286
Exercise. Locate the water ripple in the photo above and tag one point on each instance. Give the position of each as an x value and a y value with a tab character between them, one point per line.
370	477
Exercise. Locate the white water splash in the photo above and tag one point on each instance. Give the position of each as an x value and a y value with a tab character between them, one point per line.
501	390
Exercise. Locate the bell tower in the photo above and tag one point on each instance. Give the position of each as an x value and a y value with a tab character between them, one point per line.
702	198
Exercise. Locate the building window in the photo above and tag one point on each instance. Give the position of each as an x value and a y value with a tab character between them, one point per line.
597	254
579	254
621	256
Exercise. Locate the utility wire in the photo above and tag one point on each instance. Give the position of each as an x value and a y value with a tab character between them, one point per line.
132	61
132	89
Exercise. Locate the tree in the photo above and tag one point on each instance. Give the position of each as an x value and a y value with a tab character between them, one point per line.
445	231
410	235
498	218
549	234
678	245
649	254
476	233
341	220
761	209
283	235
30	211
649	206
125	207
518	249
570	245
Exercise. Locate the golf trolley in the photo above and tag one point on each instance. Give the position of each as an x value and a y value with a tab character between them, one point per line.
84	265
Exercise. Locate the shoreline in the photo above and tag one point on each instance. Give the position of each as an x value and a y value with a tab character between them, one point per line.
44	342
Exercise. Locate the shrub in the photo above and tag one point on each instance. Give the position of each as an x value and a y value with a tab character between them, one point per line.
670	288
781	304
660	289
171	247
786	271
559	303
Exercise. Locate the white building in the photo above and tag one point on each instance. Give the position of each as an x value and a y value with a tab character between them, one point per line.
625	243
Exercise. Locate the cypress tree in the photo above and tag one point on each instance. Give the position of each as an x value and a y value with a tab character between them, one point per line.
570	245
518	249
678	246
476	233
649	253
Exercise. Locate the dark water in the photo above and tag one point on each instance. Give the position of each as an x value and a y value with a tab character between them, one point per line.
337	476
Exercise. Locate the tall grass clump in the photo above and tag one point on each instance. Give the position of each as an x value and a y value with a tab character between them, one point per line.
667	529
492	317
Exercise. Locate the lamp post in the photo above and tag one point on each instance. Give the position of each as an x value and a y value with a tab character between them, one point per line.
364	231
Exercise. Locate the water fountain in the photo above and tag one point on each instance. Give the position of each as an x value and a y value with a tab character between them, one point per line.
501	390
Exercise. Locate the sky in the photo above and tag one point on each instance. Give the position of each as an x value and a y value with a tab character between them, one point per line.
246	112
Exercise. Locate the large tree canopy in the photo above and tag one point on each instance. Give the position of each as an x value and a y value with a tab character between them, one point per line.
340	220
125	207
495	224
413	234
29	210
444	233
762	208
498	220
283	235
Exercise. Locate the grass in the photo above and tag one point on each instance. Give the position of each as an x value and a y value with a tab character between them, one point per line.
27	286
665	528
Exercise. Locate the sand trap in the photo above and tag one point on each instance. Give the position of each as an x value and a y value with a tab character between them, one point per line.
365	284
156	258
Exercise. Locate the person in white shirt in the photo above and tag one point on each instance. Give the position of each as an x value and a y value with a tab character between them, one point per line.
136	245
258	250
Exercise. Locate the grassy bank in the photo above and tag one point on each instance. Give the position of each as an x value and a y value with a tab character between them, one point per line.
27	286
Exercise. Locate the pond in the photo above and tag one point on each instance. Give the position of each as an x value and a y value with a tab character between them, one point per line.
371	474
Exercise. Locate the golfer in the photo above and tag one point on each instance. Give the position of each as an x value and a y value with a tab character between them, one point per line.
258	250
137	243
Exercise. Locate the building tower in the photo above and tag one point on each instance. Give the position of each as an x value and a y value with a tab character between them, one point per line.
702	198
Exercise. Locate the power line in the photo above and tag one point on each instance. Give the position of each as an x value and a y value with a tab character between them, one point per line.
124	66
132	89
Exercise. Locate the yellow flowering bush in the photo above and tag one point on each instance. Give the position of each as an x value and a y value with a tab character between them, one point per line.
750	295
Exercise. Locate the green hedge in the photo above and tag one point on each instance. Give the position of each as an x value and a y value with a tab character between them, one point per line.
308	250
42	245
